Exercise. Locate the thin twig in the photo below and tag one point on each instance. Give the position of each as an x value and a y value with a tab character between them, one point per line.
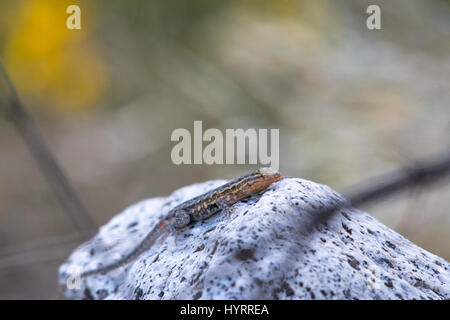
420	175
51	171
50	249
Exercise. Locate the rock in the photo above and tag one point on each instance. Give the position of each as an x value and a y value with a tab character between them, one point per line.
259	251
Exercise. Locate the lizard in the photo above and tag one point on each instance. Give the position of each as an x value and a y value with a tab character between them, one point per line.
196	209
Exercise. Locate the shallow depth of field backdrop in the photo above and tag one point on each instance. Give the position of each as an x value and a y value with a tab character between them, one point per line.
349	103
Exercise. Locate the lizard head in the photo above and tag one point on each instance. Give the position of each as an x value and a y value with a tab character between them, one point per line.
270	173
262	179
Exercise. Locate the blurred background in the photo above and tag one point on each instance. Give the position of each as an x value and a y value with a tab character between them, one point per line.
350	103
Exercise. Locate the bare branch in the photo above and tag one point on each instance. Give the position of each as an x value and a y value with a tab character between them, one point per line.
422	174
47	163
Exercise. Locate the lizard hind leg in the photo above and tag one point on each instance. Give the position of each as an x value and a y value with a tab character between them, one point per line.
174	231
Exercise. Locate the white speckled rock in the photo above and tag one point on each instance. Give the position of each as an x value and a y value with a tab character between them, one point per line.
258	252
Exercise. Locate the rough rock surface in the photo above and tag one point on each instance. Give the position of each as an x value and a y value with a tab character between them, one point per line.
259	251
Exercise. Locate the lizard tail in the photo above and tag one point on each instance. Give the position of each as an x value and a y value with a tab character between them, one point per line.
143	246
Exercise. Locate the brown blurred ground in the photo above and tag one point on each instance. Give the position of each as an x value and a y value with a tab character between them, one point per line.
349	102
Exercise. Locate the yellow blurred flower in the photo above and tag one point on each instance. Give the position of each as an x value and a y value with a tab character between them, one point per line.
61	68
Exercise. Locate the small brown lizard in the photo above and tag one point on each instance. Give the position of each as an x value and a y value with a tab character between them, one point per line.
199	208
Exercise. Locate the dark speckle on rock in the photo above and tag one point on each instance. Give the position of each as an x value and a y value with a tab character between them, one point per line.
198	295
346	215
390	244
286	288
200	248
386	262
138	293
87	294
346	228
388	283
245	254
347	294
133	224
102	294
353	262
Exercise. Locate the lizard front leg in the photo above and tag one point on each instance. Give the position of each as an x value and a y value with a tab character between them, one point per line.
181	219
224	205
